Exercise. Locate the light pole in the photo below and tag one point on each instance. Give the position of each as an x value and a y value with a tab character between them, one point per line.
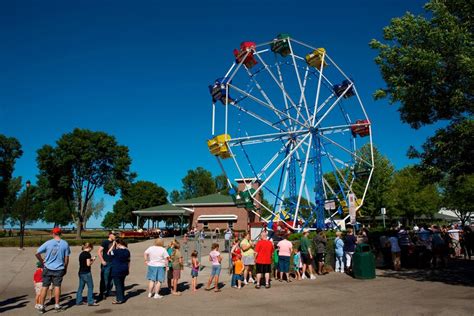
23	215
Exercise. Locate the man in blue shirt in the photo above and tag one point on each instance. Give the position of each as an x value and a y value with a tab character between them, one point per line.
55	264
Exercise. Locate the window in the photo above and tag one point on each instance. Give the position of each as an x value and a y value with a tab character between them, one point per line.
205	225
231	224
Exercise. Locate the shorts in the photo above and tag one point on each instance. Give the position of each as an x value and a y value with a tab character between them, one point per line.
54	277
284	264
156	274
176	273
38	286
320	257
306	258
216	270
194	273
248	260
264	268
170	273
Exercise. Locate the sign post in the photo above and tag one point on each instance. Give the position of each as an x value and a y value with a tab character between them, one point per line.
383	211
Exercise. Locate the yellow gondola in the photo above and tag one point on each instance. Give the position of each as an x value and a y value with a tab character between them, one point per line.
315	59
218	146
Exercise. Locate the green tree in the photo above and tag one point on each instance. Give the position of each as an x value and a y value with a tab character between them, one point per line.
10	152
198	182
26	208
427	62
139	195
222	185
458	196
412	197
379	191
81	163
175	196
111	221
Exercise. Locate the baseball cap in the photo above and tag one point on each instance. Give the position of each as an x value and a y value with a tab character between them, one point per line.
39	264
306	230
56	231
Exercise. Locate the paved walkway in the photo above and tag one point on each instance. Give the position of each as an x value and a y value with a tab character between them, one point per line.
410	293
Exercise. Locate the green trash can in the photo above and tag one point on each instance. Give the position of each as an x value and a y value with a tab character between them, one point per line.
363	262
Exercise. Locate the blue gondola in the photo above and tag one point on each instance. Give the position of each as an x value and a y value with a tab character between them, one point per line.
219	92
340	88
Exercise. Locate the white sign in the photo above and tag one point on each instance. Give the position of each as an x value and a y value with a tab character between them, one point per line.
383	211
330	205
352	207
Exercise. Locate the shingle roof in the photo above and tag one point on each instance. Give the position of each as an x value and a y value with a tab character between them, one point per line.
212	199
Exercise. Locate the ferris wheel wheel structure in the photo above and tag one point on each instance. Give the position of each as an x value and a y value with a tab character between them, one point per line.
290	124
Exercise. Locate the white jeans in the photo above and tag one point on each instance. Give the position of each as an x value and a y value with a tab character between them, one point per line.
348	259
339	263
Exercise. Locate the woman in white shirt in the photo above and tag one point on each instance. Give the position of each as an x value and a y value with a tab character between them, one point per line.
156	258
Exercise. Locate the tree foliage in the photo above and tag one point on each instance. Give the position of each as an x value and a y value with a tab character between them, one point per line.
412	197
139	195
459	197
427	62
379	191
10	152
198	182
26	208
81	163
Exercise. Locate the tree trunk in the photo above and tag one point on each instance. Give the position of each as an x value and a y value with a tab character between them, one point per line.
79	227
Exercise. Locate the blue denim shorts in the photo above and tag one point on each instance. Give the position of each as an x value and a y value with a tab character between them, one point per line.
156	274
216	270
194	273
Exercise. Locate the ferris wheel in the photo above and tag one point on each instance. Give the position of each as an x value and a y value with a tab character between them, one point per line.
289	123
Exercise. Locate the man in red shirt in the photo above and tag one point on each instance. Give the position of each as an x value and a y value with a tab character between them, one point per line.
263	259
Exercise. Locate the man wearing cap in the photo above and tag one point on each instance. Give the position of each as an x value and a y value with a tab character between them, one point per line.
55	264
306	255
106	266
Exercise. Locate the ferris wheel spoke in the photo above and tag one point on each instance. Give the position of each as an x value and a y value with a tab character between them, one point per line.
272	75
303	179
285	100
295	148
353	154
334	129
264	138
269	106
330	108
256	116
308	196
299	80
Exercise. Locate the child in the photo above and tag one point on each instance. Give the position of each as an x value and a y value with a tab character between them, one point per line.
169	275
38	283
177	262
85	275
297	263
275	263
215	258
339	250
194	269
237	274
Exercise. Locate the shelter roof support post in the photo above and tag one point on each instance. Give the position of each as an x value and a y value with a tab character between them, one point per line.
138	222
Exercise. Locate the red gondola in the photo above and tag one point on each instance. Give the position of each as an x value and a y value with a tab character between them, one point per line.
361	128
246	48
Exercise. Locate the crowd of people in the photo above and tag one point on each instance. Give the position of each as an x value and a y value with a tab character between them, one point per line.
252	262
425	246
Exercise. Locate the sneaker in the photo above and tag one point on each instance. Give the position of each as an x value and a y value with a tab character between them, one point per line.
303	277
40	309
234	286
245	282
58	308
157	296
150	295
251	280
312	277
342	271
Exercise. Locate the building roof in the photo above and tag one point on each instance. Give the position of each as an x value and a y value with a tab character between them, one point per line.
212	199
163	210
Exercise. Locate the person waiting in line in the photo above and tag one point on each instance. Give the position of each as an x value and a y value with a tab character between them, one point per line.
339	251
105	266
320	242
285	248
156	258
349	248
263	259
306	255
178	265
248	257
216	259
85	275
120	268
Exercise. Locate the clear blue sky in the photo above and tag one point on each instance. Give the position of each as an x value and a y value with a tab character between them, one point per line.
139	71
